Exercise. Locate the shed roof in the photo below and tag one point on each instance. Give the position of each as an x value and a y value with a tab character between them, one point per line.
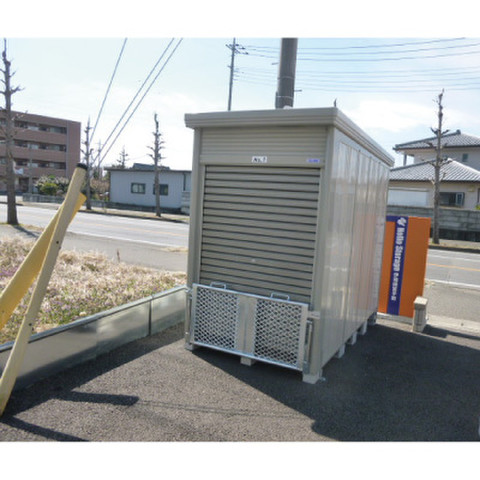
451	171
329	116
450	140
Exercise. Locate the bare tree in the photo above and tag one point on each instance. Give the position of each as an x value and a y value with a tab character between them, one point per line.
438	163
122	159
8	91
157	157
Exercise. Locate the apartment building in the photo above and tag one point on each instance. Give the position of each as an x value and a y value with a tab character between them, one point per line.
42	146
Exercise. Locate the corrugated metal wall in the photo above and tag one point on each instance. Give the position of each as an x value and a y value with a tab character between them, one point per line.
259	227
229	145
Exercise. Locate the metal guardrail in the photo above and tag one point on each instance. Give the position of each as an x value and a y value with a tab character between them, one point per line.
84	339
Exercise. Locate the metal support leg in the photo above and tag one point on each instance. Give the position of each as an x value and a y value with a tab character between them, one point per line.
363	328
247	361
341	352
312	379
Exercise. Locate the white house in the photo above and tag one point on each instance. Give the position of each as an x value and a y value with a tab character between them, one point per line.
457	146
412	185
135	186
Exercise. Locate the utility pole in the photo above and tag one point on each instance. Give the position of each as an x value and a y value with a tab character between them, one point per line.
235	48
87	155
99	163
439	161
12	218
286	73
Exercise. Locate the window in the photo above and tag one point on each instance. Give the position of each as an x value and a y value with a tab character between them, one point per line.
163	189
137	188
465	157
58	130
452	199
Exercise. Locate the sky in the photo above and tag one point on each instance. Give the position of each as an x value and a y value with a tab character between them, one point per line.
386	81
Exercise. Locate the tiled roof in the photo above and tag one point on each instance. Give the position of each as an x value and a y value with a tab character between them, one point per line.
451	171
450	140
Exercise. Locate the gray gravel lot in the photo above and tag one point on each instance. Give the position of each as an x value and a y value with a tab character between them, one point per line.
392	385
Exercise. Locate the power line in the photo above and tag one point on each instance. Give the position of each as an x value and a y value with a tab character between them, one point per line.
459	71
340	51
350	47
379	87
141	99
416	50
137	93
383	59
341	76
108	88
389	89
363	80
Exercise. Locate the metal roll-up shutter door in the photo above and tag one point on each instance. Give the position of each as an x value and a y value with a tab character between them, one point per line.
259	229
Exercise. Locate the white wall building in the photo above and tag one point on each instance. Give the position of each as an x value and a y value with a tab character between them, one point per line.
412	185
135	186
457	146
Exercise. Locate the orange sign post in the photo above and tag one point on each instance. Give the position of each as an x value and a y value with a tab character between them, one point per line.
404	264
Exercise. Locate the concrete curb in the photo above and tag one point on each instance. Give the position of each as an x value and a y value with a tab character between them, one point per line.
455	324
455	248
437	321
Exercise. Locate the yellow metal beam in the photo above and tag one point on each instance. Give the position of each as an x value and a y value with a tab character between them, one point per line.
14	363
19	284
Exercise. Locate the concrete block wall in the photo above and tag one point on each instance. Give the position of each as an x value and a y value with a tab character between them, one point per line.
455	224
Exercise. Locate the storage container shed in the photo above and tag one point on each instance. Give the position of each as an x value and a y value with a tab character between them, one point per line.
287	222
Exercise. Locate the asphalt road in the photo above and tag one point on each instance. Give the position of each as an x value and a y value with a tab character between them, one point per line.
140	230
454	268
139	241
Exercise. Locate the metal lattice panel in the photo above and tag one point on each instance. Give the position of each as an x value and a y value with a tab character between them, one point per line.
266	329
277	331
215	318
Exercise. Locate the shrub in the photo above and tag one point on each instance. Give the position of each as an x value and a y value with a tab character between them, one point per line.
48	188
51	185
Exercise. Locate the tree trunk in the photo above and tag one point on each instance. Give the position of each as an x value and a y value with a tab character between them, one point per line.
12	218
10	167
158	213
436	205
437	167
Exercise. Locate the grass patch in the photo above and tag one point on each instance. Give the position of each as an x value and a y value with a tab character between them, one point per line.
82	284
